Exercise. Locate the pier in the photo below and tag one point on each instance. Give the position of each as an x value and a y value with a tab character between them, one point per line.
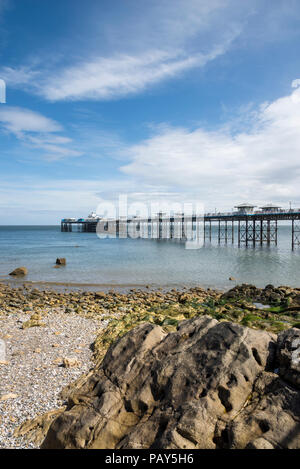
244	226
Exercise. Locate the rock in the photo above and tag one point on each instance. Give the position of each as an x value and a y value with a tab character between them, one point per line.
6	397
34	321
100	295
183	298
267	295
177	390
36	429
288	355
57	361
61	261
71	363
270	419
19	272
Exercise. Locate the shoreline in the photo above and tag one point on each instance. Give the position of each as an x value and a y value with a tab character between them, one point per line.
107	287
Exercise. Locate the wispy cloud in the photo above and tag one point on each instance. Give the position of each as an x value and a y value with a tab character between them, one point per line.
20	76
35	130
146	44
103	78
19	120
160	41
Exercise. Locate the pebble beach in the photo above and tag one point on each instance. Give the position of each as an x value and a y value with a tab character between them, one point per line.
34	371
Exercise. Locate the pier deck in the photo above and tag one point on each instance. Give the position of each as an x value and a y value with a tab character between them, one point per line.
247	229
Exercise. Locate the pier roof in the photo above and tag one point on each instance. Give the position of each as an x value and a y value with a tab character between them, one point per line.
245	205
269	206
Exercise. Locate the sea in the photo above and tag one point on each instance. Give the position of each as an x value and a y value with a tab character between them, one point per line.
113	263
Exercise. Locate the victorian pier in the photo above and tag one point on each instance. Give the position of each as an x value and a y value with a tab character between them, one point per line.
245	226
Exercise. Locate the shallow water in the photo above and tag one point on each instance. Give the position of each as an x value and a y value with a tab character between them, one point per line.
140	262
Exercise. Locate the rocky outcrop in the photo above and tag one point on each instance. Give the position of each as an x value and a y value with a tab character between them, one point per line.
19	272
288	355
61	261
210	384
269	294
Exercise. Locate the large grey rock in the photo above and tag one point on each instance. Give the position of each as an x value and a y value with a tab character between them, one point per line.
198	387
288	354
270	420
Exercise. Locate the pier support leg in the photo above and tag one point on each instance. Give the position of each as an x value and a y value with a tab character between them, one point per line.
295	233
268	232
246	231
182	228
171	229
207	230
160	228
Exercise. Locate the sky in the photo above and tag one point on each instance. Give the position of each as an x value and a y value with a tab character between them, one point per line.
169	100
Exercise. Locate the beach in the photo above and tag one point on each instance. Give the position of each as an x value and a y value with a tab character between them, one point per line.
52	337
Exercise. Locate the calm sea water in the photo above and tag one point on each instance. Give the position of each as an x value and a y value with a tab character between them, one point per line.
122	262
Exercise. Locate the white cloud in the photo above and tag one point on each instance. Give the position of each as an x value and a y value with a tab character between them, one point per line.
104	78
218	168
54	152
18	120
51	139
222	168
36	131
20	76
296	83
114	55
156	42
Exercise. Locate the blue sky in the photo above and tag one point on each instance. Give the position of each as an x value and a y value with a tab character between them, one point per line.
186	99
